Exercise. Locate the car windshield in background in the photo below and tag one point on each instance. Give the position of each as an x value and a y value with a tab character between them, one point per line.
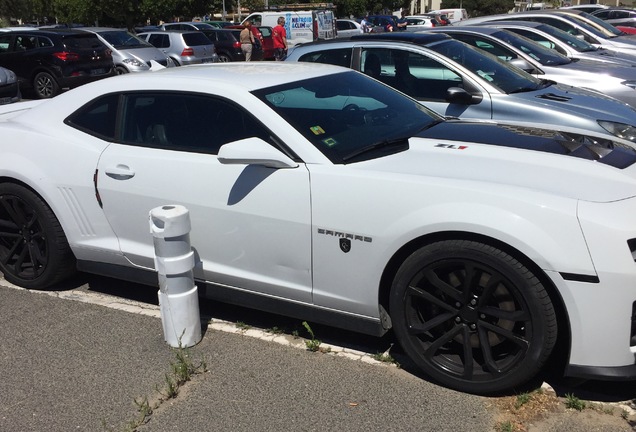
490	68
605	27
196	39
543	55
348	117
87	41
123	39
579	45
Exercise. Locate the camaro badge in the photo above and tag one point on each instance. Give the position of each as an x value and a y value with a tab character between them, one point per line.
345	245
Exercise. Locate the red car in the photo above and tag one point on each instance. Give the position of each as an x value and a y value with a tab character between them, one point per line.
264	35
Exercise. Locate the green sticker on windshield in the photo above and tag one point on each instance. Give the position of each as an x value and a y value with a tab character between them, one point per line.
484	75
330	142
317	130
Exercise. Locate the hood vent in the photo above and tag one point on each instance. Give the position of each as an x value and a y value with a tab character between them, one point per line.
554	97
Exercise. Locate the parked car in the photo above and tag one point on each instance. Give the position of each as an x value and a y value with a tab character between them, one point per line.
192	25
616	81
572	21
9	87
219	24
47	61
348	27
448	76
564	43
589	8
421	22
182	46
617	16
228	46
130	53
504	241
453	15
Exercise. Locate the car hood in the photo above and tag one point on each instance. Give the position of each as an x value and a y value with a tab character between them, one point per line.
490	154
569	100
600	69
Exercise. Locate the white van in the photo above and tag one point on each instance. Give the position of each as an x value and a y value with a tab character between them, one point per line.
301	26
454	15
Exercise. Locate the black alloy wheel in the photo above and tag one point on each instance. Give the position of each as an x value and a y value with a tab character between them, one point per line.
34	252
45	86
472	317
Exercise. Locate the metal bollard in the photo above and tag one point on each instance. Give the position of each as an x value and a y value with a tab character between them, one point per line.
174	261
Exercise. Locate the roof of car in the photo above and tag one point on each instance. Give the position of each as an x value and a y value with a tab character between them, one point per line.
249	76
476	29
103	29
422	38
520	23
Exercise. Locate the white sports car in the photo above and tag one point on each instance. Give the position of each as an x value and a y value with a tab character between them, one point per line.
317	192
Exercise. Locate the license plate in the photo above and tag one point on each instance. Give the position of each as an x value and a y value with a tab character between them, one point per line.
98	71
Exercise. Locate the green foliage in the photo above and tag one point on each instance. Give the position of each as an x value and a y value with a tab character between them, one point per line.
312	344
522	399
574	402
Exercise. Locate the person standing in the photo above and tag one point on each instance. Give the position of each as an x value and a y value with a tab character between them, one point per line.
247	40
402	22
279	37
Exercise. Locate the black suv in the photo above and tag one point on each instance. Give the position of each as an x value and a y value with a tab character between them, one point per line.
47	61
227	44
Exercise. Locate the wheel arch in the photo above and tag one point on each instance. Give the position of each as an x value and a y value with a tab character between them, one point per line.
563	344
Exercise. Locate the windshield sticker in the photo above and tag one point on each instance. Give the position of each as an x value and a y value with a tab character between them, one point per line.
317	130
330	142
484	75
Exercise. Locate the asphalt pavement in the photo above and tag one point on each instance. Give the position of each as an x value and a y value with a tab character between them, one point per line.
80	360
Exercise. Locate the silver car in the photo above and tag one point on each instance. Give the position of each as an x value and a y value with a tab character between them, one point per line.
615	81
457	80
564	43
573	21
183	47
130	53
348	27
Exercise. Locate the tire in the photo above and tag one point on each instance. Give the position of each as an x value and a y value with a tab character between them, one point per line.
120	70
34	252
472	317
224	58
45	86
176	62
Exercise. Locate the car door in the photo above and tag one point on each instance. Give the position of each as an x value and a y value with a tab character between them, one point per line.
16	59
250	224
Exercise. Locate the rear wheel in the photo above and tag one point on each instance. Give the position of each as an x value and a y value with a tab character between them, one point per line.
120	70
472	317
224	58
45	86
34	252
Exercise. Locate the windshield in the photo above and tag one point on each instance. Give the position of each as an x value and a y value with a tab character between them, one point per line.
123	39
543	55
586	25
494	71
599	24
572	41
349	114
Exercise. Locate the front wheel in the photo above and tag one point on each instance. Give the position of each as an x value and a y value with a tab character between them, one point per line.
34	252
472	317
45	86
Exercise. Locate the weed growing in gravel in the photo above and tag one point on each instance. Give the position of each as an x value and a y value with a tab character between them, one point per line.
573	402
522	399
312	344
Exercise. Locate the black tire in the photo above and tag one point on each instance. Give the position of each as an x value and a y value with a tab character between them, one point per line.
45	86
472	317
120	70
224	58
34	252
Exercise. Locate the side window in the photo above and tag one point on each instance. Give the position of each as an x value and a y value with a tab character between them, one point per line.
414	74
44	42
540	40
257	20
5	43
97	118
487	45
338	57
25	43
186	122
159	40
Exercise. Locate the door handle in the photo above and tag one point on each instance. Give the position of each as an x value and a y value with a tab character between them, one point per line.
120	172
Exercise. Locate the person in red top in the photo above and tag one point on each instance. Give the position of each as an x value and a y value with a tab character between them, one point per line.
279	37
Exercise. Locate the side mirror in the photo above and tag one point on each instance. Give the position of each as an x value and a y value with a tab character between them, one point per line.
254	151
523	65
461	96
